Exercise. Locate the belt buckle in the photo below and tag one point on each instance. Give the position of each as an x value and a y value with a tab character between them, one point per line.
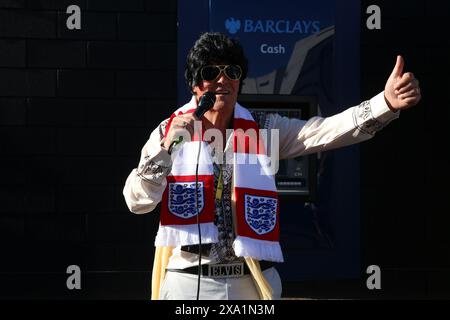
227	270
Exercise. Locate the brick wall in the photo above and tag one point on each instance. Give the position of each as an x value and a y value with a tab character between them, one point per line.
76	106
404	169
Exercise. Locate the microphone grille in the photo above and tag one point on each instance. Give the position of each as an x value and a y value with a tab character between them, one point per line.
206	102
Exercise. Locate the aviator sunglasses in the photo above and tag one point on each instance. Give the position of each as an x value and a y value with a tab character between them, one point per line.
212	72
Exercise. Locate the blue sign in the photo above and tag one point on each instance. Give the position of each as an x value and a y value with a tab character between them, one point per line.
276	36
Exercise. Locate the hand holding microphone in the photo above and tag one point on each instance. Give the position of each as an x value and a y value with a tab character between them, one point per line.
183	124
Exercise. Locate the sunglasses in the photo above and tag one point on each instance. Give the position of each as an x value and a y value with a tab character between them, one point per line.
212	72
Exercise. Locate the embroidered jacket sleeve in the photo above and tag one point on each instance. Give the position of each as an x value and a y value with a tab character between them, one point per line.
145	185
356	124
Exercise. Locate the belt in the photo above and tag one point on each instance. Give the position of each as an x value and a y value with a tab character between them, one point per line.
205	249
226	270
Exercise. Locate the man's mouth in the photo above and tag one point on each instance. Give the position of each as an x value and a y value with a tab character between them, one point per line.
222	92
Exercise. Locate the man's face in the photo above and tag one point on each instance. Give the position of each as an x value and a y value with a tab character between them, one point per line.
226	90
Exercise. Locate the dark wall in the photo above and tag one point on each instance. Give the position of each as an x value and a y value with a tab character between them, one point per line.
405	170
76	106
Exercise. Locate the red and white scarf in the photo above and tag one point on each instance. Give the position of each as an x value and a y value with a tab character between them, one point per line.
254	192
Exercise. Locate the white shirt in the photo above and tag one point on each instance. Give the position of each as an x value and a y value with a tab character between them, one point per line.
145	185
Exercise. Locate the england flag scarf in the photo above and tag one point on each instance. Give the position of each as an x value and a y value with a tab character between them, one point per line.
254	193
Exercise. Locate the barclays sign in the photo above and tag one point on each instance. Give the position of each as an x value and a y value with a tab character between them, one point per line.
273	26
232	25
274	34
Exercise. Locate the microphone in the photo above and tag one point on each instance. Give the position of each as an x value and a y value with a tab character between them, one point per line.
205	103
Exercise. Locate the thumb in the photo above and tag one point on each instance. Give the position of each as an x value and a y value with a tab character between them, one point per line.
398	69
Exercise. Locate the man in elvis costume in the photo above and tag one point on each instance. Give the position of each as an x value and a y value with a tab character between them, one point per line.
236	194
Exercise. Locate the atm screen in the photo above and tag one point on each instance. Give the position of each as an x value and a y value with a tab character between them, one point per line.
296	176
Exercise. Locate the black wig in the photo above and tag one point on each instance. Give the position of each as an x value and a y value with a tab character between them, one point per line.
213	48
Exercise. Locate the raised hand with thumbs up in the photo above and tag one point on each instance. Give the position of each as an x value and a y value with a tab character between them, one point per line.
402	90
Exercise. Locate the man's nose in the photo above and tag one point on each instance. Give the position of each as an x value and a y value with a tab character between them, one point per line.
222	78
